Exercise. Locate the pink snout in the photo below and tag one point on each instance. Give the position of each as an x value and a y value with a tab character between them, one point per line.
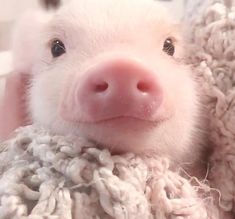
114	89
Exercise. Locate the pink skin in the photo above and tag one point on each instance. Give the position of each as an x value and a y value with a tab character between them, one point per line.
13	105
114	85
114	89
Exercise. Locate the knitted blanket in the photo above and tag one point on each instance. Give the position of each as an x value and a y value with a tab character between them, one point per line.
55	177
212	36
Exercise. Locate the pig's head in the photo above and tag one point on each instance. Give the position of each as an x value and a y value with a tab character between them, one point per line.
111	71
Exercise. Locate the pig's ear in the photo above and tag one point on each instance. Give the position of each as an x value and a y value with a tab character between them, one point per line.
13	105
13	112
26	38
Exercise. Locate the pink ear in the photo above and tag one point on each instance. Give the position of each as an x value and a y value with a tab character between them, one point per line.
13	113
26	39
13	106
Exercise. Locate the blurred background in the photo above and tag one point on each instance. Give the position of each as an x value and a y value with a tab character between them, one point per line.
10	10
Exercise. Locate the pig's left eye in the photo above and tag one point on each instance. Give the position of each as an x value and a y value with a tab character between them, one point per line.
169	47
57	48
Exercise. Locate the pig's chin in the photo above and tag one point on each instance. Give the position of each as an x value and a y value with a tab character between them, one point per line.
120	134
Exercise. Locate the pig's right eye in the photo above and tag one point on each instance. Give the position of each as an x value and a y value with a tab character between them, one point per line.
57	48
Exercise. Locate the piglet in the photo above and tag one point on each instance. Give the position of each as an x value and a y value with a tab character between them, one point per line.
111	71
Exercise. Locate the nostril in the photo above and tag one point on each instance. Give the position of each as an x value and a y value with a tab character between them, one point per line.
101	87
143	86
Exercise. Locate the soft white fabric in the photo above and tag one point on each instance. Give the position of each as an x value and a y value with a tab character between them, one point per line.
62	179
212	54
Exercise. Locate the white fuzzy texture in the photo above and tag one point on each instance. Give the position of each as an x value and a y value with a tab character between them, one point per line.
213	37
60	179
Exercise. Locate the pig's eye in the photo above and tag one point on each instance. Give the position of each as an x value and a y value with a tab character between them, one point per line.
169	47
57	48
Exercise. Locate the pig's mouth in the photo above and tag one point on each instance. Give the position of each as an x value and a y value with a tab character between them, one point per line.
124	119
120	133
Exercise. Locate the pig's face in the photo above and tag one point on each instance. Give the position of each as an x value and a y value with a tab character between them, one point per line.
112	71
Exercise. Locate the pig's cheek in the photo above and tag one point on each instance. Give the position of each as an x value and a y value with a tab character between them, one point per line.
44	96
68	104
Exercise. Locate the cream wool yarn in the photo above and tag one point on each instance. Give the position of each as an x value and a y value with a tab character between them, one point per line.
46	176
213	56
